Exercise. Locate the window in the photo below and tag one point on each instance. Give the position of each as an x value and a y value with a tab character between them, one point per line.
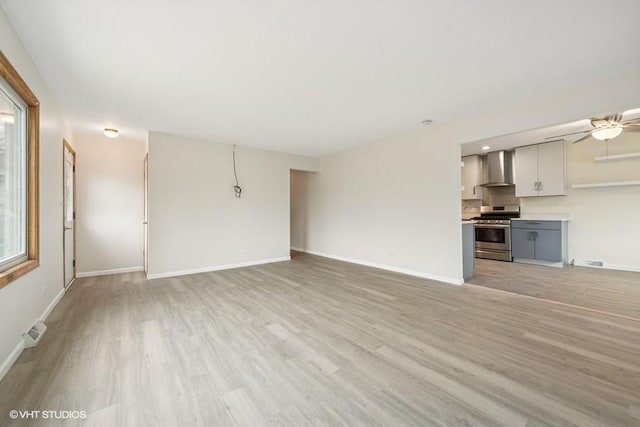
19	130
13	182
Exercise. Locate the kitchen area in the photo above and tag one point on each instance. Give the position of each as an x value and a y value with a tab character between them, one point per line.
492	186
564	196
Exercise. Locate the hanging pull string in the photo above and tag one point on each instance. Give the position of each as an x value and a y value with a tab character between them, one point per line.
236	188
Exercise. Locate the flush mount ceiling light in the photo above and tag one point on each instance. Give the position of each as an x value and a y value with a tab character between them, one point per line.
110	132
7	117
486	147
426	122
606	133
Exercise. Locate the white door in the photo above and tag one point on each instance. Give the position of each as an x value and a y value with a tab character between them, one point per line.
551	169
526	173
69	214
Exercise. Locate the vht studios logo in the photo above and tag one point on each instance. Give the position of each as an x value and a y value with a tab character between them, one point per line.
47	415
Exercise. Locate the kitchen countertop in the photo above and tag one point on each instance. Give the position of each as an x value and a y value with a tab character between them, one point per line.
542	217
466	221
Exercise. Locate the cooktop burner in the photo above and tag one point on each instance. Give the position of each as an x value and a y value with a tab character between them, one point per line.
498	213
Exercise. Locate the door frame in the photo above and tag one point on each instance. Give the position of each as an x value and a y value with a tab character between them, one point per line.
145	220
67	146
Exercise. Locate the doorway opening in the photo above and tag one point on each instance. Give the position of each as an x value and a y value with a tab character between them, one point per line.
298	210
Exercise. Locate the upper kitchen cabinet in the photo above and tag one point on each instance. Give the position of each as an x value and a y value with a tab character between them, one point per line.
471	178
540	170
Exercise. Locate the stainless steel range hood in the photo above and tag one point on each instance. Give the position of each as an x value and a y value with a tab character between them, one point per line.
498	169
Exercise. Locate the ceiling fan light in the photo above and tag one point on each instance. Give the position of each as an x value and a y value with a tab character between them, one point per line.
607	133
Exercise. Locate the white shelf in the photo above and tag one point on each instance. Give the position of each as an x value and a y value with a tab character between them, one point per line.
618	157
607	184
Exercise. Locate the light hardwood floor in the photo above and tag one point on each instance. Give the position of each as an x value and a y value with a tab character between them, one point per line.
616	292
321	342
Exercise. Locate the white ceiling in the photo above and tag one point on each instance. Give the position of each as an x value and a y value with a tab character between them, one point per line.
545	134
313	77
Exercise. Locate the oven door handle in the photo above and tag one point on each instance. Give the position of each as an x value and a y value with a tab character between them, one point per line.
491	226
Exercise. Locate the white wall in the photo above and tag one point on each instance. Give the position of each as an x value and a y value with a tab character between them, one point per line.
28	298
195	221
396	203
390	204
110	203
299	209
604	222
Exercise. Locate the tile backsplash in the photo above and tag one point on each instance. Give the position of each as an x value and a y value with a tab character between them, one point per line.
491	196
471	208
500	196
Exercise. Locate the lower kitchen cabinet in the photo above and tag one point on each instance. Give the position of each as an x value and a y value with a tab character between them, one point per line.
468	249
522	243
544	241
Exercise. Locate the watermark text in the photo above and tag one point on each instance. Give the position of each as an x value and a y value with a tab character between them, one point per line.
15	414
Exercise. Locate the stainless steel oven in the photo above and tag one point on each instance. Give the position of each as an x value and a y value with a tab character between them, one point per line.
493	232
493	241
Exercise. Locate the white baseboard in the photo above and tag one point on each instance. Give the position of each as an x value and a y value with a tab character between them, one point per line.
539	262
297	249
17	351
215	268
588	263
11	359
47	311
444	279
112	271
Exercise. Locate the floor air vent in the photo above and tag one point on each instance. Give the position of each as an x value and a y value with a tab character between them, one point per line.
34	335
595	263
588	263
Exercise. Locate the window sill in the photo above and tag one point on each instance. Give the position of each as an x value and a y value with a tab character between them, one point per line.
17	271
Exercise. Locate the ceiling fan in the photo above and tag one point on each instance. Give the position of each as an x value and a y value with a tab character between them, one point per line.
606	128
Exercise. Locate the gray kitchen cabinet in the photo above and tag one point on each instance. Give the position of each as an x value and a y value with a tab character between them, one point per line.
471	178
539	240
522	244
468	250
540	170
548	245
